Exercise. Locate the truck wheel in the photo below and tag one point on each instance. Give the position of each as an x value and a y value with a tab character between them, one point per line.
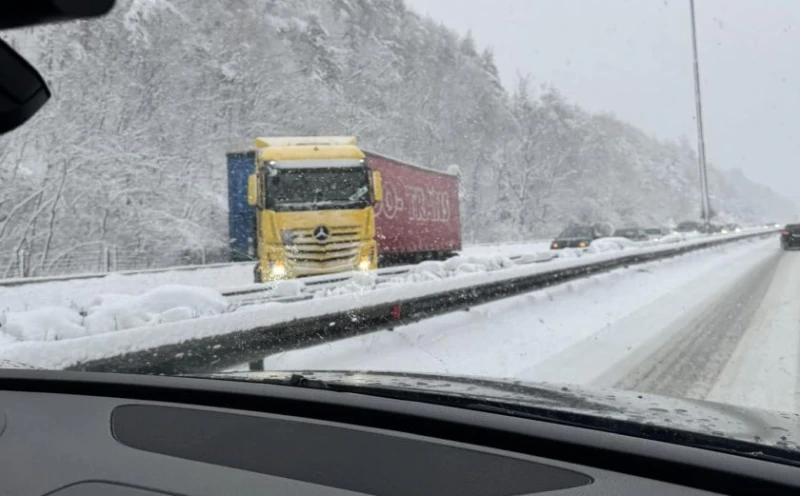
257	275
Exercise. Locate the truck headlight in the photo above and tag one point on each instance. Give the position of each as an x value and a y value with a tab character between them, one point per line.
366	258
277	270
582	244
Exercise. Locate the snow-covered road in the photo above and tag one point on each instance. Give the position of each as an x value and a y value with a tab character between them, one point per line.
720	324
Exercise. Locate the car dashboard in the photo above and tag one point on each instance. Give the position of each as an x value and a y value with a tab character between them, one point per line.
70	434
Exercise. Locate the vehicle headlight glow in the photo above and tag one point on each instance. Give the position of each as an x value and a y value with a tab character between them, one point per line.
277	270
364	264
582	244
555	245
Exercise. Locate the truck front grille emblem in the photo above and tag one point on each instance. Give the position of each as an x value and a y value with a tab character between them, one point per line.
321	233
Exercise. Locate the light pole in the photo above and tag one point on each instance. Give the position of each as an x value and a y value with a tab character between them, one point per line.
701	144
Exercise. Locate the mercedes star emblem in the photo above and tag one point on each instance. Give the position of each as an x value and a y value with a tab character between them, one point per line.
321	233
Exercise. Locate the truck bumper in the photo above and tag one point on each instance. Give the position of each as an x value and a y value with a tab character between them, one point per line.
280	262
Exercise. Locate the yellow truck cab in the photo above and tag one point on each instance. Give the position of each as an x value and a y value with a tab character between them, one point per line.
314	199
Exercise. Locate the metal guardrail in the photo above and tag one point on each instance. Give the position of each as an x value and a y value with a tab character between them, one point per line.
219	352
181	268
21	281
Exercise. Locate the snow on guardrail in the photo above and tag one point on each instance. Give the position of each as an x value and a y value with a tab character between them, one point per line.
430	278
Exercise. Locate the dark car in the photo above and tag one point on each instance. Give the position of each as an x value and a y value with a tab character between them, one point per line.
632	233
656	232
689	226
790	237
575	237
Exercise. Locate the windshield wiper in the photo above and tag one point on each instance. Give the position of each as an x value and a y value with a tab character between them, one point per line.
299	380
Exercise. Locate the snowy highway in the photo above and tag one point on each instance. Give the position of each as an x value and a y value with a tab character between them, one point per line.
691	324
718	324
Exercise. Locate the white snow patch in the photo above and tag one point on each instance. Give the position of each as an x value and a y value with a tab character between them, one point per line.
163	304
111	312
610	244
288	288
43	324
430	267
471	264
542	256
80	293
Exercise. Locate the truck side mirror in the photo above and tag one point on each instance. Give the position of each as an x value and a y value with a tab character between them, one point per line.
377	187
252	190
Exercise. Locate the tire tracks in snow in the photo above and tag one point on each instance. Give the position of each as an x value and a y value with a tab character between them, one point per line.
703	340
764	370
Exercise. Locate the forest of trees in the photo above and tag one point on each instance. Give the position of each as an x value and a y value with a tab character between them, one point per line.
127	160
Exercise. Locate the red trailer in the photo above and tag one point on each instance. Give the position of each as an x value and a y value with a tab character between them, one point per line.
418	218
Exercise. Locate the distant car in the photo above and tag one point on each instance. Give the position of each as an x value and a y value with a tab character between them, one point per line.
731	228
656	233
632	233
689	226
790	237
575	237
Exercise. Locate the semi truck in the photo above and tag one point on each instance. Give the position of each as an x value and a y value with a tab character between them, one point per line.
302	206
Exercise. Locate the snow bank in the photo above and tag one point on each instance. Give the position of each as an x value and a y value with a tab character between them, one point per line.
80	293
43	324
671	238
112	312
542	256
288	288
477	263
361	282
611	244
163	304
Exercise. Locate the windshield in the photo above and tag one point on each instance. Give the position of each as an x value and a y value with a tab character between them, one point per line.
576	232
304	189
189	201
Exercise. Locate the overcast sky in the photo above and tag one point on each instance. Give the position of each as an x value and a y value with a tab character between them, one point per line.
633	58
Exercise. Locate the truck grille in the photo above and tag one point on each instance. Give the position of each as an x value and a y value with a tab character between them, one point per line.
339	252
338	235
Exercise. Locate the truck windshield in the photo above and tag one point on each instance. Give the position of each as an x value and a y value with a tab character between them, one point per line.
317	189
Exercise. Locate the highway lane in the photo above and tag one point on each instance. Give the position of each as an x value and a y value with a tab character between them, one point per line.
596	330
722	325
741	346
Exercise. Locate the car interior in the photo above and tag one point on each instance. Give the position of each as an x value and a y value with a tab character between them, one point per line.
100	434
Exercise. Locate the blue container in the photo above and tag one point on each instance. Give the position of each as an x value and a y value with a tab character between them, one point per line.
241	216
